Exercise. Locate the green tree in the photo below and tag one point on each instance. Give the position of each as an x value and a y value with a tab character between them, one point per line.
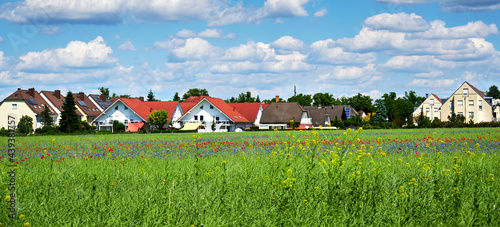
25	125
243	97
105	91
493	92
118	127
303	100
257	99
381	113
151	96
213	126
324	99
158	118
176	97
45	115
70	121
362	102
195	92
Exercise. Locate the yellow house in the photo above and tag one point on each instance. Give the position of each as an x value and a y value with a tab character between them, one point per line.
21	103
430	108
469	102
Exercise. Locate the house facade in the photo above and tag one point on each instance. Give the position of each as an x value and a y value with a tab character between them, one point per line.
252	111
469	102
430	108
278	115
25	102
201	112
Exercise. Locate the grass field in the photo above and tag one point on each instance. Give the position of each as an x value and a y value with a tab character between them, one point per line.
294	178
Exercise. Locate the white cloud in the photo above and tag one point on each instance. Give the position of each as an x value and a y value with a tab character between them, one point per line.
127	46
349	73
249	52
279	21
282	8
417	63
186	33
471	76
400	22
49	30
325	51
288	43
2	59
455	5
216	33
196	48
76	54
432	83
438	30
432	74
321	13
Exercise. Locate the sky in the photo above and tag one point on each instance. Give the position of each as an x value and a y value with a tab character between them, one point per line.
230	47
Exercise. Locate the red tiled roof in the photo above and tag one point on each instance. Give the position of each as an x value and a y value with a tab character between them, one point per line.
264	106
31	94
480	93
143	109
89	108
220	104
57	101
249	110
438	98
134	127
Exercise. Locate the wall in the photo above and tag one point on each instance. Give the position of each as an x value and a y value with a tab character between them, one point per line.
22	109
427	104
121	114
484	115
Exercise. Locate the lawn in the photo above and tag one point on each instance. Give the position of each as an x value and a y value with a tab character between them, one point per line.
415	177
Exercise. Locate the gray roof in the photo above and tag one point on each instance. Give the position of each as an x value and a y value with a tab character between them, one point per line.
282	113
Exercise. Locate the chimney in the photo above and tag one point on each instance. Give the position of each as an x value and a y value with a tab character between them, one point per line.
426	95
18	88
57	94
31	92
277	98
81	96
319	105
141	98
103	97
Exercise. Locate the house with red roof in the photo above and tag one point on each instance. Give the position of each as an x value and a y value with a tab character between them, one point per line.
469	102
24	102
131	110
201	112
430	108
85	108
252	111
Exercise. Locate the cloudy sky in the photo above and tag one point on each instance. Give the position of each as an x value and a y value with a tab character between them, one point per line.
263	46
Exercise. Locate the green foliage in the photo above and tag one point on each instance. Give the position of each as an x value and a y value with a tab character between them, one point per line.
195	92
362	102
4	132
303	100
176	97
25	125
151	96
292	124
158	118
48	130
243	97
213	126
45	115
493	92
324	99
70	121
381	113
338	123
118	127
105	91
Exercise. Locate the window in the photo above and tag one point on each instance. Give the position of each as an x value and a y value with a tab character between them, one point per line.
471	102
126	107
101	122
460	103
201	118
201	107
466	92
480	104
126	121
116	107
14	106
460	113
435	110
195	117
217	118
427	110
432	102
211	107
471	115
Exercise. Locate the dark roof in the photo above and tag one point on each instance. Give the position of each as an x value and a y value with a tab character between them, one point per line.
85	104
57	99
282	113
32	98
102	103
317	115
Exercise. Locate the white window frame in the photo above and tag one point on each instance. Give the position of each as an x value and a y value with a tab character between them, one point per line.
471	102
471	115
432	102
14	106
460	103
466	92
435	110
427	109
480	104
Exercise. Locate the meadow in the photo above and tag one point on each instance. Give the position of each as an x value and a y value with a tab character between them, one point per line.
418	177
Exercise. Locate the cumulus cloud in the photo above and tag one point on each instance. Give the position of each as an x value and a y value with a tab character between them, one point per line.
432	83
432	74
417	63
325	51
320	13
438	30
2	60
76	54
127	46
400	22
196	49
455	5
349	73
288	43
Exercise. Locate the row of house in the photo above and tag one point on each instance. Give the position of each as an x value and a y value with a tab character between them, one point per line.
467	101
198	113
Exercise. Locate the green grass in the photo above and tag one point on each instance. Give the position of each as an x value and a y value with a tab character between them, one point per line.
311	178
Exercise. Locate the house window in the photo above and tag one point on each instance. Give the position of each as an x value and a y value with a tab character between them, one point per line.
460	113
116	107
471	115
460	103
480	104
466	92
471	102
427	110
201	118
126	107
211	107
435	110
432	102
217	118
101	122
195	117
14	106
201	107
126	121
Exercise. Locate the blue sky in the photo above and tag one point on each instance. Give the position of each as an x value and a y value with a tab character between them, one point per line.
264	46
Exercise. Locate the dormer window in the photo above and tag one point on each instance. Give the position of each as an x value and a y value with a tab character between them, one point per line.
466	92
211	107
201	107
116	108
432	102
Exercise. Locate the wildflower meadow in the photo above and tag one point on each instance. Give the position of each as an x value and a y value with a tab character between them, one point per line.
418	177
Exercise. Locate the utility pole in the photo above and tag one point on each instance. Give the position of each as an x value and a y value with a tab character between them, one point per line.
294	89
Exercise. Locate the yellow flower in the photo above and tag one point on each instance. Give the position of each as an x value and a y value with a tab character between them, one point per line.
7	198
27	224
21	216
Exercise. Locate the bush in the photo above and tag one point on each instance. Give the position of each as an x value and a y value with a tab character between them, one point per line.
4	132
25	125
48	130
118	127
